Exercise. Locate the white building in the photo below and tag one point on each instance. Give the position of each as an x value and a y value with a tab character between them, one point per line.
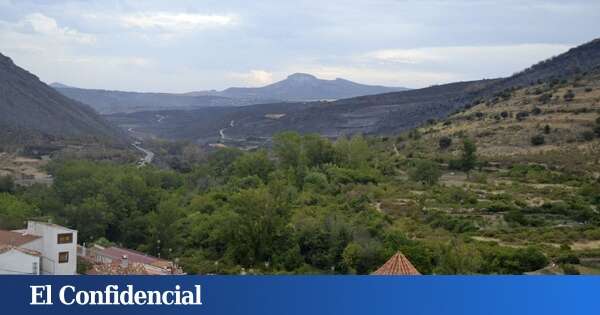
55	245
19	261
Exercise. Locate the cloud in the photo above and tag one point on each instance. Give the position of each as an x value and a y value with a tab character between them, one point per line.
176	22
254	77
473	53
41	24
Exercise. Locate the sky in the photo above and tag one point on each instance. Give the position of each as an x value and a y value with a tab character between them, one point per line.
181	46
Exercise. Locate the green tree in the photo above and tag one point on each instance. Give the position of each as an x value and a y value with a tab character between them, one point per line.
14	212
469	155
353	152
7	184
425	171
254	163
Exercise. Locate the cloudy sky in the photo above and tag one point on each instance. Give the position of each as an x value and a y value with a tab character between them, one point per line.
178	46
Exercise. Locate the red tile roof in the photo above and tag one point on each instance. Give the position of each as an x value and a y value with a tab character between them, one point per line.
116	253
115	268
6	248
16	239
398	265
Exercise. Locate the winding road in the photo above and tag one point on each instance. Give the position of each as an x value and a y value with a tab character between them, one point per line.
148	155
222	131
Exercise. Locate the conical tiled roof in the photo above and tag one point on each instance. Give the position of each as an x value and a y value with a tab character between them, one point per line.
398	265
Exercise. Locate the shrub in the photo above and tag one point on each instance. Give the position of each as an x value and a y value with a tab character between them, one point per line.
538	140
7	184
545	98
587	135
536	111
569	269
597	131
547	129
504	114
522	115
455	165
568	258
426	172
445	142
569	96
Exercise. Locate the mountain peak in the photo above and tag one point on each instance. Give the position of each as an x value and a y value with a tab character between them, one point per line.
301	76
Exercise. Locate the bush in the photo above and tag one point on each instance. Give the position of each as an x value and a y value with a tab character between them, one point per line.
587	135
522	116
7	184
545	98
504	115
569	269
445	142
568	258
597	131
536	111
538	140
569	96
547	129
426	172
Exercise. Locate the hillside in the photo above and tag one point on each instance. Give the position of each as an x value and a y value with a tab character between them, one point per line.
535	179
393	112
33	112
381	114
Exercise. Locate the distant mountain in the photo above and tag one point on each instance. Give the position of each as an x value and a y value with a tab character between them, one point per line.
381	114
33	112
108	102
297	87
394	112
306	87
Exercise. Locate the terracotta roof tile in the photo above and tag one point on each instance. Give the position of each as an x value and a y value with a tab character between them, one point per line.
6	248
117	253
398	265
115	268
15	238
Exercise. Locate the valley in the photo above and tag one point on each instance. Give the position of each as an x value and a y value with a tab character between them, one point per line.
494	176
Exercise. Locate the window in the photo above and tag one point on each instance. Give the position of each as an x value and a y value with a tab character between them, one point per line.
65	238
63	257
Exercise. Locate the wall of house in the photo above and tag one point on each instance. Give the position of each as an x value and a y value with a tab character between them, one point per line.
14	262
50	248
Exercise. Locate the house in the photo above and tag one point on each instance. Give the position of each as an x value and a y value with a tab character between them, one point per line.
54	246
19	261
397	265
114	260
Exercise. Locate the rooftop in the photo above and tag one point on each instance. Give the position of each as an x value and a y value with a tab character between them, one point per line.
6	248
115	268
134	256
51	225
16	238
398	265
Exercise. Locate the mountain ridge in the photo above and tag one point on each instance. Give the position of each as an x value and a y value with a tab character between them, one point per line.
296	87
33	112
381	114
